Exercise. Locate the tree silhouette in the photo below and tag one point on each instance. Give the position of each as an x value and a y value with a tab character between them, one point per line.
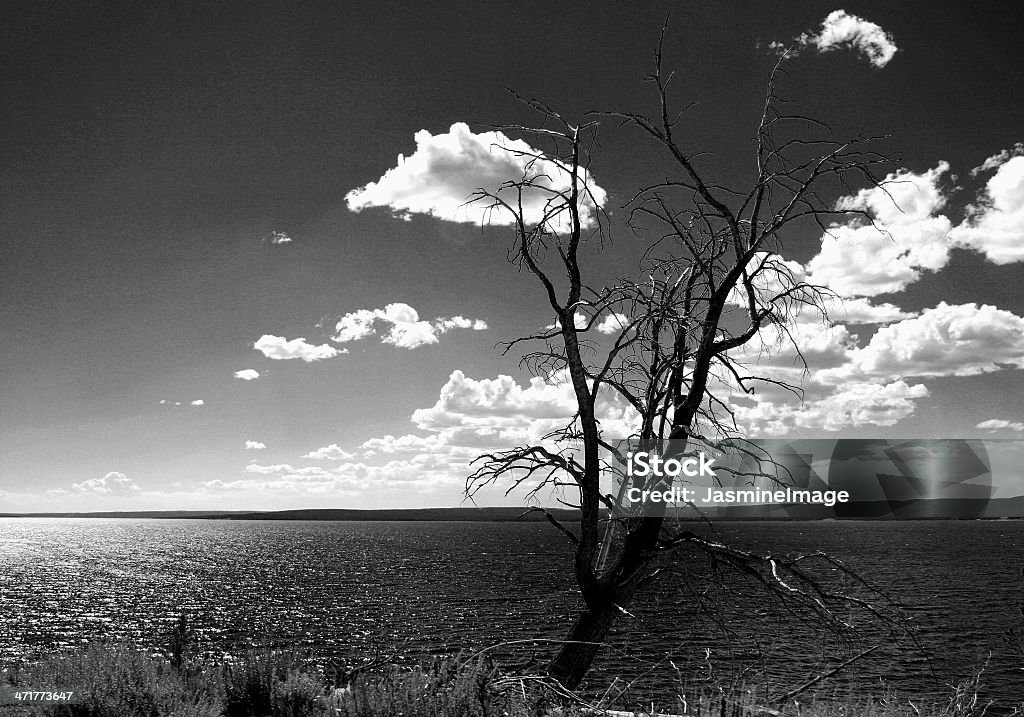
711	284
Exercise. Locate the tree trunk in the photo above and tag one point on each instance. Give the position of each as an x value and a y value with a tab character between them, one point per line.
586	637
603	601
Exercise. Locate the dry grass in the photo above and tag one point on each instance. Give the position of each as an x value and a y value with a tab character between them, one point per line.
119	681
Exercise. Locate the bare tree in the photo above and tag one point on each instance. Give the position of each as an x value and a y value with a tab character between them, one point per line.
710	283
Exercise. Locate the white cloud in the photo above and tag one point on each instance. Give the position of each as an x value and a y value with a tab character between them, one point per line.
355	325
841	30
285	468
499	412
421	472
773	351
288	478
948	340
995	226
906	237
998	159
854	405
467	401
446	169
254	446
579	320
403	444
112	483
247	374
407	331
998	424
862	404
850	385
278	347
332	452
771	276
198	402
460	322
613	323
862	311
402	324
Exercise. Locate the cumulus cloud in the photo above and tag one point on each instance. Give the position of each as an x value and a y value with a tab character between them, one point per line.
854	405
771	275
403	444
828	402
421	472
285	478
904	238
995	225
400	325
999	424
278	347
500	411
464	400
279	468
459	322
446	169
113	484
355	325
471	416
332	452
998	159
948	340
247	374
254	446
850	384
863	311
407	331
579	320
902	233
613	323
843	30
774	276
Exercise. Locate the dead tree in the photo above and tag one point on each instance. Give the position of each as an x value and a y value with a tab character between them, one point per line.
711	281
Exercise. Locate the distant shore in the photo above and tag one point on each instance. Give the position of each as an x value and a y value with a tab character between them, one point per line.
994	509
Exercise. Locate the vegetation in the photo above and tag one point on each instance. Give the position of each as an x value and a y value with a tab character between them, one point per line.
120	681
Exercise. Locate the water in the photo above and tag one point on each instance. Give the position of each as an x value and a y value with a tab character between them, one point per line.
354	588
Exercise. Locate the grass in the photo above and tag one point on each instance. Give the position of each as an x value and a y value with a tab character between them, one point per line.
120	681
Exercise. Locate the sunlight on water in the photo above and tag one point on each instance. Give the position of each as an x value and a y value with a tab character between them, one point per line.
344	587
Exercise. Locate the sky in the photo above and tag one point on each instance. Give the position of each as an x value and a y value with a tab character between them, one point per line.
237	270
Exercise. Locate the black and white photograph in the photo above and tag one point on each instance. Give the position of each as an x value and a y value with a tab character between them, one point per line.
528	359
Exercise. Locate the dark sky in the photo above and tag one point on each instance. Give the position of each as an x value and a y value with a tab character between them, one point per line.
151	152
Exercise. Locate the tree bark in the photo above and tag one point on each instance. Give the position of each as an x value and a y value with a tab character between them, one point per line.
604	601
585	639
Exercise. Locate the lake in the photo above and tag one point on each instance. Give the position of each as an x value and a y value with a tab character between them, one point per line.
349	588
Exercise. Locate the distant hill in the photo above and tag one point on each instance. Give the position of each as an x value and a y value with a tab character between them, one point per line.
202	514
917	510
937	509
491	514
1005	508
